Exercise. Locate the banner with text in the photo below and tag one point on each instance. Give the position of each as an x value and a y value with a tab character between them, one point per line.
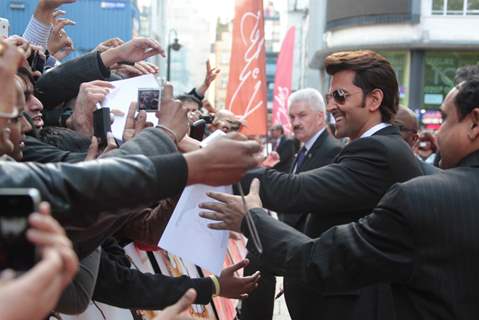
246	95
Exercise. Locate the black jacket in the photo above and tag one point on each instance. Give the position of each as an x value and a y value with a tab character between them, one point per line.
339	193
78	193
422	238
62	83
38	151
286	150
322	153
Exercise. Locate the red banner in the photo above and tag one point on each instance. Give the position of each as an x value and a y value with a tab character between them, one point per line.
246	95
282	82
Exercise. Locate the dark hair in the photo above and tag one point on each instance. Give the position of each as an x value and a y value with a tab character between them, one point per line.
190	98
278	127
373	71
466	73
467	97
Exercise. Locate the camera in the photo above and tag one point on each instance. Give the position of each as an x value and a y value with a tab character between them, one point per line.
36	61
16	252
208	118
197	129
148	99
4	25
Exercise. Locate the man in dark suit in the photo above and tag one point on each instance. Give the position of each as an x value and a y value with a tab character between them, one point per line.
284	146
422	237
363	99
307	113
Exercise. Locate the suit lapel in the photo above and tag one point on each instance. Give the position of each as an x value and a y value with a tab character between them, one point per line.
314	149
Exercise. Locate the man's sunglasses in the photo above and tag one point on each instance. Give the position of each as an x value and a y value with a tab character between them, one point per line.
339	96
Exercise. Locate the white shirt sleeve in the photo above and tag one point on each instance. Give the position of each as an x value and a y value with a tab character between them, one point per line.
37	33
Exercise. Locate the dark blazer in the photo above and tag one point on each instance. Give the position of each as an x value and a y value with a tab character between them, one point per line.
339	193
286	150
322	153
422	238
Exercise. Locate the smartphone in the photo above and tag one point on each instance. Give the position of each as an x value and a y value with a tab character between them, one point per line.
16	252
101	125
148	99
197	129
4	25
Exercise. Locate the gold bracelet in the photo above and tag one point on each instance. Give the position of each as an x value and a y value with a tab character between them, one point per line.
216	284
169	132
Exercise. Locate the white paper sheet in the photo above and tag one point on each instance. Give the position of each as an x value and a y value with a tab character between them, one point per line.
125	92
187	234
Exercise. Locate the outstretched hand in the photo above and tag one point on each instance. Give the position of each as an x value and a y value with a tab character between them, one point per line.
137	49
234	287
229	210
210	76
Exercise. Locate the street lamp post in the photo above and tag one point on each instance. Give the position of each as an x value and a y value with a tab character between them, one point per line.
175	46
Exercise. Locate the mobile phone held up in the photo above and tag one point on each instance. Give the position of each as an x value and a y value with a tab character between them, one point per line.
16	252
148	99
4	25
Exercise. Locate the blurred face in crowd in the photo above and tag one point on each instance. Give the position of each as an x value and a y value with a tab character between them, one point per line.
19	125
408	127
353	112
275	133
454	135
33	106
306	121
193	111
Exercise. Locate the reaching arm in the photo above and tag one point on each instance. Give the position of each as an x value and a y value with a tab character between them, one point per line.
78	193
377	248
357	181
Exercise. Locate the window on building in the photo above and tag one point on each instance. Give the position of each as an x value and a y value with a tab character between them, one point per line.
439	73
400	62
455	7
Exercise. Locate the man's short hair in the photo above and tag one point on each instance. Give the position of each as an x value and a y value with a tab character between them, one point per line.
310	96
373	71
466	73
467	97
277	127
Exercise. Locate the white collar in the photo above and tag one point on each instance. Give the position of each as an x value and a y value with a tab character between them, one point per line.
375	129
309	144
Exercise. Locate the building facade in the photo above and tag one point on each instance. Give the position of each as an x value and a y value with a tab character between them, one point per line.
96	20
425	40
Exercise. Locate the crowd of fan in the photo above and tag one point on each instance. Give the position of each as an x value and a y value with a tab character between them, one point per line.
98	195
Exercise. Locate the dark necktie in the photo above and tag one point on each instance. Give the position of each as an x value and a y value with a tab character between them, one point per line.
300	159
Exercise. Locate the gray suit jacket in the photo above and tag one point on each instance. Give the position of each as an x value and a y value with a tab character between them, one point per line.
422	237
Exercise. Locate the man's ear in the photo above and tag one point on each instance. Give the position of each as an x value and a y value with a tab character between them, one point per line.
375	98
473	132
